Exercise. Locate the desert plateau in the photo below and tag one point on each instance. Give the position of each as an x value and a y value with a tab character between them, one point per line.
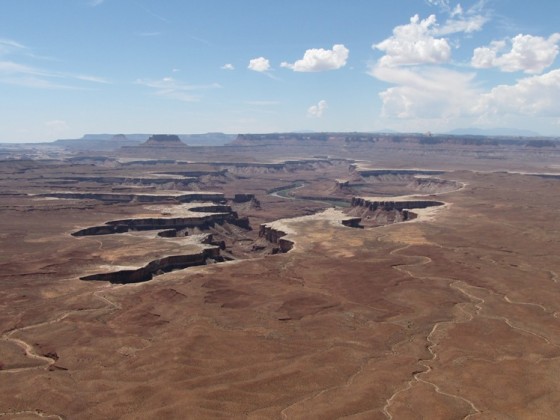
285	210
282	276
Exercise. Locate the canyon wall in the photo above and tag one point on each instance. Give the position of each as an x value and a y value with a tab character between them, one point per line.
388	205
159	266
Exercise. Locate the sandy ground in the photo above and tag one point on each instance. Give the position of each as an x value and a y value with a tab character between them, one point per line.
453	316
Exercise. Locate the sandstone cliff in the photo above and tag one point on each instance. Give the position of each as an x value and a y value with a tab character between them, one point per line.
381	211
159	266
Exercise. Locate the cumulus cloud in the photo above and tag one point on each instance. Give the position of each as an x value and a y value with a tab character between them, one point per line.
443	94
228	66
528	53
319	59
536	96
171	88
259	64
414	43
316	111
425	93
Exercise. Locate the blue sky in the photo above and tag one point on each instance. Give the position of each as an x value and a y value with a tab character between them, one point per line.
69	67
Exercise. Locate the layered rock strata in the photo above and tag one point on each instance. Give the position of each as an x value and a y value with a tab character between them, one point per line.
382	211
379	172
159	266
388	205
170	223
276	236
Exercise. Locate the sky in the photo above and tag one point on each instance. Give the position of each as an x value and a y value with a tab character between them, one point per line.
70	67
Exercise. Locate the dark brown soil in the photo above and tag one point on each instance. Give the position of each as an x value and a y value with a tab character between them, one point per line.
450	316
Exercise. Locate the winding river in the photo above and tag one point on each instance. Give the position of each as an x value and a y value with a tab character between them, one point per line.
286	193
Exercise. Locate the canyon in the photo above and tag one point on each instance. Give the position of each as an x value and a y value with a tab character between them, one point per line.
314	275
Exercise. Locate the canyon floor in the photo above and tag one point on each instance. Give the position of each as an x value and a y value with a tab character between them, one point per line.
242	291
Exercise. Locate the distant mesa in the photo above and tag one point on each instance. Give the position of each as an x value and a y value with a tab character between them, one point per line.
419	140
163	140
120	138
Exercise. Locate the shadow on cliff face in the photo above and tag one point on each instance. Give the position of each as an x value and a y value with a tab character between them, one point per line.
217	214
159	266
226	236
378	213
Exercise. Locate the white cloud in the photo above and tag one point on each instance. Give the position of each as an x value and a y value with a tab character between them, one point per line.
14	73
530	54
9	67
28	79
442	4
446	7
457	11
22	75
460	20
93	79
414	44
464	24
7	46
34	82
536	96
319	59
259	64
316	111
425	93
441	95
94	3
171	88
228	66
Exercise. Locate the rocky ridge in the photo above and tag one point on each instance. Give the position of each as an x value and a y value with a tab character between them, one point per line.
206	254
382	211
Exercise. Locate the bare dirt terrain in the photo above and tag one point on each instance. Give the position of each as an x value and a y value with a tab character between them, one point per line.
282	281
